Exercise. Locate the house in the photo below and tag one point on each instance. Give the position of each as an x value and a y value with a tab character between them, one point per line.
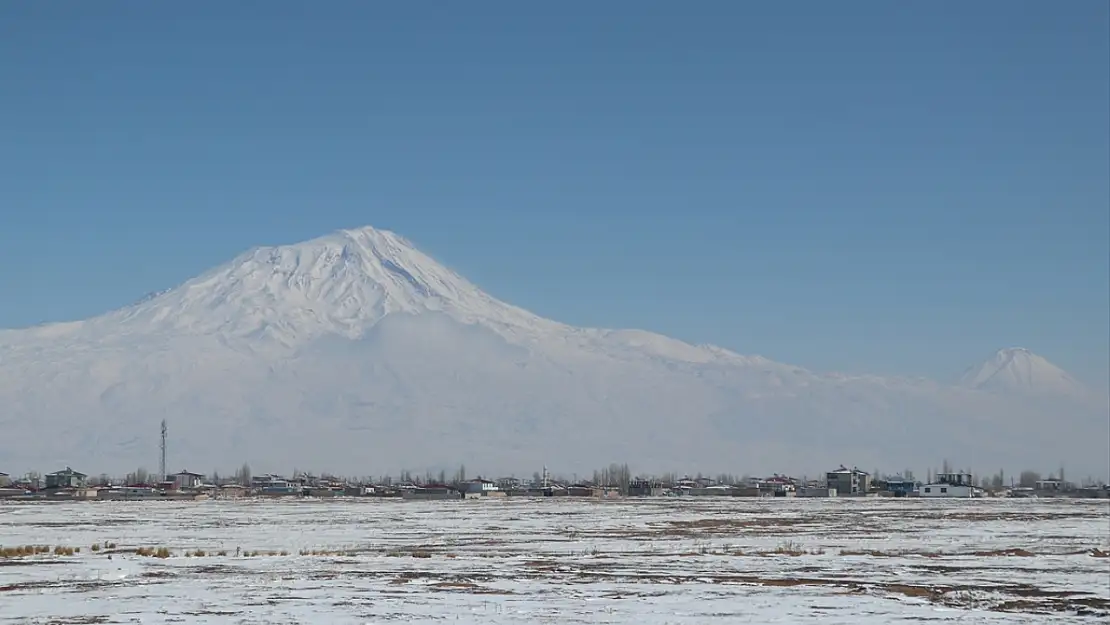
583	490
5	480
901	488
848	482
780	486
358	490
949	485
645	488
1053	484
479	487
66	479
187	480
718	490
128	492
430	492
231	491
275	485
509	484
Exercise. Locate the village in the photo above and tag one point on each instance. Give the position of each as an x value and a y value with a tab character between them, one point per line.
616	482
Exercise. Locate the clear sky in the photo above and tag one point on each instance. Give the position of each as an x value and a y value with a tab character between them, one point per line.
863	186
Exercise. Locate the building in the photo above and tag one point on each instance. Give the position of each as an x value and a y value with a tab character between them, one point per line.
5	480
128	492
430	492
901	488
583	490
848	482
187	480
67	478
510	484
231	491
779	486
479	487
718	490
645	488
1053	485
949	485
274	485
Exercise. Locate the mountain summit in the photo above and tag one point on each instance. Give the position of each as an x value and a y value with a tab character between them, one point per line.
342	283
357	353
1018	370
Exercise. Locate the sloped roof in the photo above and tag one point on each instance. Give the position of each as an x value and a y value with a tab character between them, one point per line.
68	471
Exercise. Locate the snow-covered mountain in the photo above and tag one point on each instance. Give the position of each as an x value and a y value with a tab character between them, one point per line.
357	353
1020	371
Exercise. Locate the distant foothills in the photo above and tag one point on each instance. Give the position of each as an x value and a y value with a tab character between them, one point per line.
615	481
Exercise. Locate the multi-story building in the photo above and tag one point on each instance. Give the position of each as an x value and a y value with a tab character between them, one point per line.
848	482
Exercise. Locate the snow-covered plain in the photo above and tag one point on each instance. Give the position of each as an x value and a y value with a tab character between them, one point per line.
649	562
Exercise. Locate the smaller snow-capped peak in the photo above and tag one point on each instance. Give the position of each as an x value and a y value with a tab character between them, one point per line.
1019	370
340	283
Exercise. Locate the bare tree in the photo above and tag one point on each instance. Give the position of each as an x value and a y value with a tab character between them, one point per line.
243	475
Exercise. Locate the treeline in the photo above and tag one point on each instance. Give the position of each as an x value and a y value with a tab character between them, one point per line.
616	475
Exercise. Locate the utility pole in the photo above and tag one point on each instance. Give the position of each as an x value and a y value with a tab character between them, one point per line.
162	464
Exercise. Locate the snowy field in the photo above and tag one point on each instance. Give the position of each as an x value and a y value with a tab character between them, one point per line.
648	562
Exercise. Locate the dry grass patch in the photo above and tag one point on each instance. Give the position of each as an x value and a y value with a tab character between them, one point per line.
25	551
151	552
791	548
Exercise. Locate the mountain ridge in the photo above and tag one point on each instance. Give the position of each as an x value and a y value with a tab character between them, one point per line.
329	347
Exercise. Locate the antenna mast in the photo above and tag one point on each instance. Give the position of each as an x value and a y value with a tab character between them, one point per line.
162	465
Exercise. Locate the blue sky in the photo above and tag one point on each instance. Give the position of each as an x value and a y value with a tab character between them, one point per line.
866	186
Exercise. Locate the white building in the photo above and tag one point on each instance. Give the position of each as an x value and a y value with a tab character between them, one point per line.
950	485
480	488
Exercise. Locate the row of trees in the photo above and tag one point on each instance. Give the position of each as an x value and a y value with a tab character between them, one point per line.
617	476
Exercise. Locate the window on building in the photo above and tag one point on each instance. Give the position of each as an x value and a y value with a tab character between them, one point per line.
928	490
944	490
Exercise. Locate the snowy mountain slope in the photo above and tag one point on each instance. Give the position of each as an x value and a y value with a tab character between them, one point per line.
355	352
1018	370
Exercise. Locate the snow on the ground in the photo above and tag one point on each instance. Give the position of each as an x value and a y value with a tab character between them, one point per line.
649	562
